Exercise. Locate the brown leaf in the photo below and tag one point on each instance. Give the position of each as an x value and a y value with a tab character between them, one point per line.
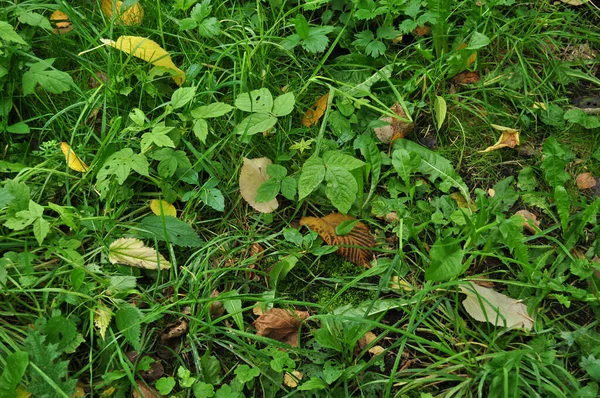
423	30
396	128
61	23
585	181
529	219
216	307
313	114
466	78
175	330
280	324
509	138
253	174
359	236
146	391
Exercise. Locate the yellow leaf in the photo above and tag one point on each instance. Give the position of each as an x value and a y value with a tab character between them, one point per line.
149	51
132	15
73	160
313	115
291	379
253	174
462	202
61	23
133	252
21	393
353	246
509	138
102	320
159	207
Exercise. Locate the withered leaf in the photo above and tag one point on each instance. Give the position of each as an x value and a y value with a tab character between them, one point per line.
585	181
396	128
281	325
60	21
252	175
314	113
529	218
466	78
175	330
509	138
146	392
353	246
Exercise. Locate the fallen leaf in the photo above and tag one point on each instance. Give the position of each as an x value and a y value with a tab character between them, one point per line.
61	22
145	391
313	114
131	15
79	390
462	202
396	128
130	251
159	207
529	217
367	339
175	330
585	181
487	305
149	51
509	138
253	174
216	307
472	57
423	30
281	325
574	2
102	318
466	78
291	379
359	236
73	160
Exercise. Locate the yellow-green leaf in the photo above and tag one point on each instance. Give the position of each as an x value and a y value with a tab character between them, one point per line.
133	252
159	207
73	160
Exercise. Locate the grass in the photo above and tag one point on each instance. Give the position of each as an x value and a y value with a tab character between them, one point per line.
74	324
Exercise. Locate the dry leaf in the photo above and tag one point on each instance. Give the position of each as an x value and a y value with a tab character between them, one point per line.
176	330
73	160
61	23
529	216
132	15
313	114
281	325
466	78
396	128
367	339
423	30
159	207
462	202
130	251
146	391
102	319
509	138
574	2
359	236
291	379
149	51
487	305
216	307
253	174
585	181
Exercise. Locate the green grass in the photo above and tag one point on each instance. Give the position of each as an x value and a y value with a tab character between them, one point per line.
80	318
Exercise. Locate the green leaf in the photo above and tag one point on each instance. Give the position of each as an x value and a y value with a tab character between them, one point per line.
245	373
332	370
34	19
555	161
268	190
210	368
120	165
591	366
405	164
364	88
368	149
337	158
210	27
119	283
512	235
24	218
313	384
213	198
18	128
52	80
578	116
477	41
200	129
288	188
7	33
284	104
158	137
61	331
233	306
255	123
165	385
301	25
255	101
128	319
341	187
215	109
563	206
317	39
439	106
41	228
375	49
283	267
345	227
313	173
170	161
203	390
170	229
185	377
276	171
16	363
446	260
292	235
182	96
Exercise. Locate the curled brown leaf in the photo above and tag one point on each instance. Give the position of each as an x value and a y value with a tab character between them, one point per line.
281	325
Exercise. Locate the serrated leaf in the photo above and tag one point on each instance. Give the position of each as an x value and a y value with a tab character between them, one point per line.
120	165
486	305
555	161
72	159
161	207
102	318
200	128
128	319
440	108
288	188
341	188
16	364
170	229
213	198
158	136
133	252
313	173
34	19
7	33
268	190
253	174
210	27
258	101
149	51
255	123
563	205
355	246
215	109
284	104
337	158
52	80
182	96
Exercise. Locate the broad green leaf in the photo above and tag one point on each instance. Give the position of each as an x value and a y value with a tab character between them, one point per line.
555	161
210	27
182	96
62	332
245	373
368	148
41	228
165	385
213	198
284	104
405	164
128	319
337	158
18	128
317	39
34	19
16	363
345	227
313	173
583	119
170	229
255	123
203	390
233	306
120	165
133	252
591	365
288	188
120	283
563	206
158	136
282	268
260	101
301	25
185	377
24	218
341	188
439	106
477	41
215	109
268	190
276	171
314	383
51	80
446	260
332	370
200	129
210	368
7	33
364	88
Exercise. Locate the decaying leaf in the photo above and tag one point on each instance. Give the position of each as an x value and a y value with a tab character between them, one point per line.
422	30
175	330
367	339
574	2
466	78
509	138
145	391
61	22
149	51
253	174
313	114
529	218
102	319
291	379
487	305
396	128
585	181
462	202
132	15
73	160
133	252
161	207
281	325
353	246
216	307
